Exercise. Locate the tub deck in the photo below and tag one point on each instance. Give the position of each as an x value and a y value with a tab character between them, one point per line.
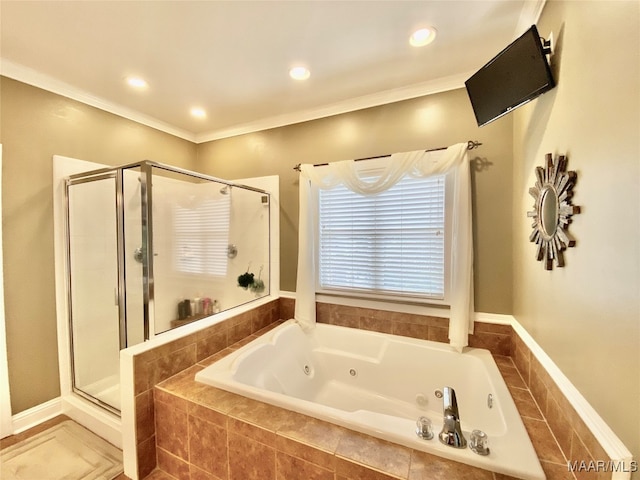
311	374
201	428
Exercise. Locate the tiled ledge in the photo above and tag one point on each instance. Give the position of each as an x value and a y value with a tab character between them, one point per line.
534	391
205	432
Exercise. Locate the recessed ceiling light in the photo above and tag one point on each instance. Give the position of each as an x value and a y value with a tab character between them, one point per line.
299	73
422	37
137	82
198	112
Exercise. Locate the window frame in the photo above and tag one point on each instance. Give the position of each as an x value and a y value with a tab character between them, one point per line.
370	166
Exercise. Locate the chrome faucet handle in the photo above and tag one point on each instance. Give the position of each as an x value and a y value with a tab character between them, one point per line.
424	429
451	433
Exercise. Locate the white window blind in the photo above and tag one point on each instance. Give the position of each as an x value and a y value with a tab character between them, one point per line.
202	236
392	243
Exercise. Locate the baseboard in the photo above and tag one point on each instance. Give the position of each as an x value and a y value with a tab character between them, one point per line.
36	415
608	440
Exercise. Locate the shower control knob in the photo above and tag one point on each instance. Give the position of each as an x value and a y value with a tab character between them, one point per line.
424	428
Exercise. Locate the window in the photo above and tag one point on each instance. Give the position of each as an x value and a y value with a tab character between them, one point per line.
202	236
390	244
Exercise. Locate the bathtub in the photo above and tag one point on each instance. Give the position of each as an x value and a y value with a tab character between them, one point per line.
380	384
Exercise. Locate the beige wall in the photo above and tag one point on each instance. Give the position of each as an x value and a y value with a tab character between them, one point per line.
425	122
586	316
35	126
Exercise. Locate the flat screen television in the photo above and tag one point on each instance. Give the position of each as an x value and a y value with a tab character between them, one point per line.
515	76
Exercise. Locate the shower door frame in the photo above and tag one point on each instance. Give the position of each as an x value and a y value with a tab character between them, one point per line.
79	180
146	203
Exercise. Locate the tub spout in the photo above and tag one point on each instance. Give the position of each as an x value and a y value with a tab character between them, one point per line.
451	433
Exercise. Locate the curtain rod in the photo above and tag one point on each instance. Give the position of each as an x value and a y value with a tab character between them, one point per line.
471	144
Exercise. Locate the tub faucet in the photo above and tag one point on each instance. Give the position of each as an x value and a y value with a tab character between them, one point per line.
451	433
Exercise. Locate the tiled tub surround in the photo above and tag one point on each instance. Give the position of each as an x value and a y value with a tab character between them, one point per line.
190	355
158	364
379	384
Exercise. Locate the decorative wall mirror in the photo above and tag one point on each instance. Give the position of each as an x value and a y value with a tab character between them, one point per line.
552	211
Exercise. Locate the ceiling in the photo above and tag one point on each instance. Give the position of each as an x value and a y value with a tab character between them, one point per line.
232	58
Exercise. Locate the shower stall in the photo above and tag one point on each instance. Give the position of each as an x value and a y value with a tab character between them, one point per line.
149	248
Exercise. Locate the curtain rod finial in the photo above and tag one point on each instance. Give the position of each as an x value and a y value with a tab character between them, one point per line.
471	144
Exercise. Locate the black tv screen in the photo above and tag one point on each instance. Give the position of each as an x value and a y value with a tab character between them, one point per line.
518	74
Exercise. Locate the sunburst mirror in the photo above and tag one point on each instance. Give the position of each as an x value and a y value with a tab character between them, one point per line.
552	211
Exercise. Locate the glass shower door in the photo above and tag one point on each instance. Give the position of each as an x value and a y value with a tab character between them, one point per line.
93	289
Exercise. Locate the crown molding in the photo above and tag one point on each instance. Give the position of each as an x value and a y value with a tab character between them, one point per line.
529	15
32	77
358	103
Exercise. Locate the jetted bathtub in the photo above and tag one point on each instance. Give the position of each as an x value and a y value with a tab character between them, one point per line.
380	385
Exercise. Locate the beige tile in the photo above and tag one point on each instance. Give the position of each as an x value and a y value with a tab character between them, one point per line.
266	416
146	454
155	475
208	447
376	324
292	468
144	415
252	431
437	322
170	399
207	414
425	466
503	361
215	357
511	377
239	330
310	431
556	471
579	453
383	456
495	343
211	344
438	334
199	474
588	440
502	476
265	315
525	404
543	441
305	452
172	430
350	470
172	363
269	327
345	319
287	307
180	380
522	358
538	390
173	465
250	460
412	330
559	425
492	328
141	376
323	313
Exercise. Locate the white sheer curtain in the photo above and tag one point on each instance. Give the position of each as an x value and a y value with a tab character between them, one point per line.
416	164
